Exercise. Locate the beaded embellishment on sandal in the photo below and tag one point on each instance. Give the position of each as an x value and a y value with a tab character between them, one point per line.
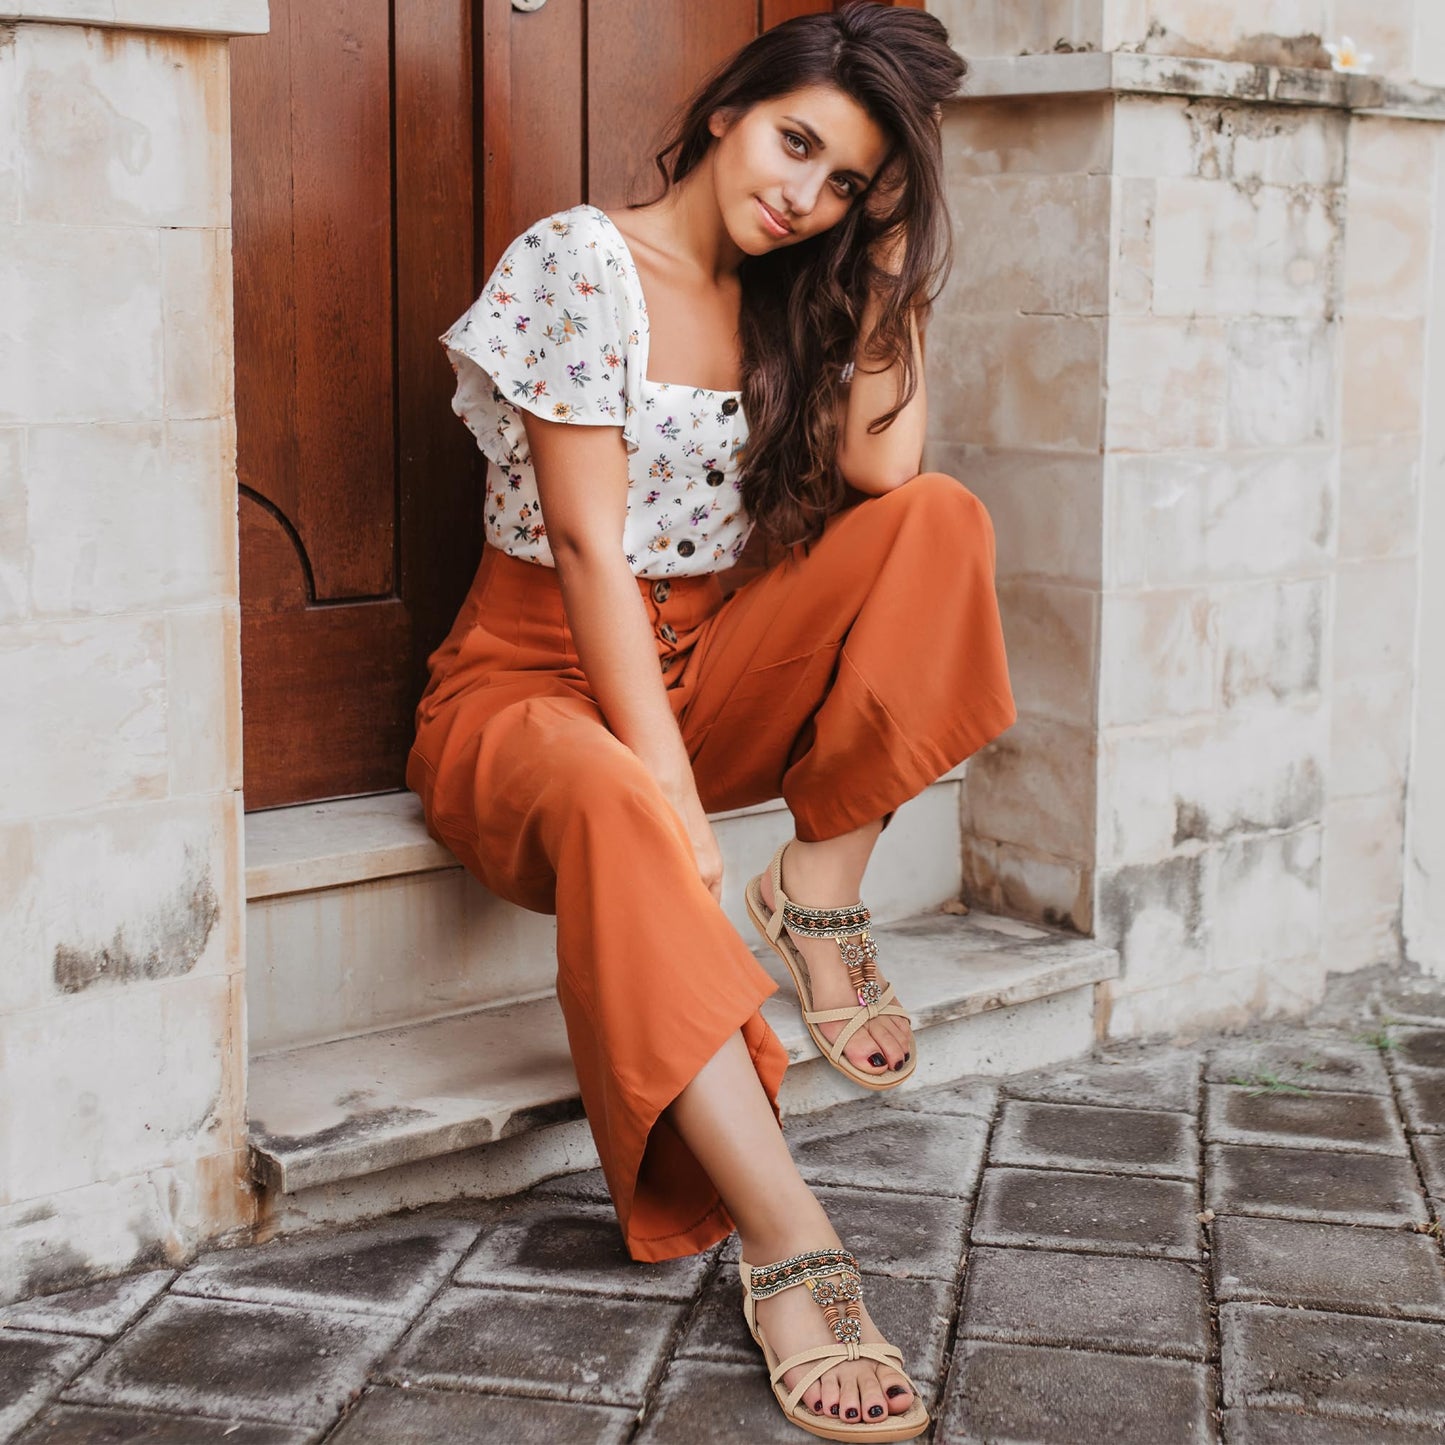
860	956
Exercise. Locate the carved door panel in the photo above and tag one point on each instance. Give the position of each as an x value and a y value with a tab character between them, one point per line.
385	153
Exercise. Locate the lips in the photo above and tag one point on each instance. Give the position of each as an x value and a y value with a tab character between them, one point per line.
773	221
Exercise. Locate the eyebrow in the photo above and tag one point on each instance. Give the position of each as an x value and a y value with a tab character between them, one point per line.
821	145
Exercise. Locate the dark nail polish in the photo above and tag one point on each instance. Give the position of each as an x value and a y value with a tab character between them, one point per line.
852	1413
875	1410
877	1060
834	1409
894	1391
906	1057
818	1408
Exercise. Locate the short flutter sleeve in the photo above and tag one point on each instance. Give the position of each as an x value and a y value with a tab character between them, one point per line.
554	332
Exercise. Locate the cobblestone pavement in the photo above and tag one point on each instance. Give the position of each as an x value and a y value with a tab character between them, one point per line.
1236	1239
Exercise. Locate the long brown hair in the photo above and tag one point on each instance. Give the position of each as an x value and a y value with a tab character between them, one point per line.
802	305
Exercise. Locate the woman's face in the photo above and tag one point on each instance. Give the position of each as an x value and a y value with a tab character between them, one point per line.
793	166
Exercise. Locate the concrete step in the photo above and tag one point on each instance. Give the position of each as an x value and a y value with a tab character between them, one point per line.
356	920
987	995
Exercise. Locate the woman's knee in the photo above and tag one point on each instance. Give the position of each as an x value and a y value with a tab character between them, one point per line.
943	506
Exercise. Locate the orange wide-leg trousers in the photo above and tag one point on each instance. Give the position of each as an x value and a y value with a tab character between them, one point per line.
845	679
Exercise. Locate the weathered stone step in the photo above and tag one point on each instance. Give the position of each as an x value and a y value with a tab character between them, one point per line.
987	995
356	920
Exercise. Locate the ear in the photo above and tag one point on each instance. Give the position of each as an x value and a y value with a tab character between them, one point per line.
720	122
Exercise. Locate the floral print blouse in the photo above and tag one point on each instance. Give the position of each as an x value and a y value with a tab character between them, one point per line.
561	330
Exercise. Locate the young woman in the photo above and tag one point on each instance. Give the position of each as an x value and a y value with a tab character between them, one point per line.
649	386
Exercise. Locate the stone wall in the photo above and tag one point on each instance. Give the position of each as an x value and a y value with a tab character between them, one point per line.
121	1043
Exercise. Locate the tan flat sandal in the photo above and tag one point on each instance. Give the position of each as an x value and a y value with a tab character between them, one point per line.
875	994
832	1278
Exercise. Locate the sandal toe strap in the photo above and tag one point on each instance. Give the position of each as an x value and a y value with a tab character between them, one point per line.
828	1357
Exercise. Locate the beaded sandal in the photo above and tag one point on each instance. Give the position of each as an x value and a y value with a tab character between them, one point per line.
832	1278
875	994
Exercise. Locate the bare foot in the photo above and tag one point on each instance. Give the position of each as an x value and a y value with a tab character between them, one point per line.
880	1047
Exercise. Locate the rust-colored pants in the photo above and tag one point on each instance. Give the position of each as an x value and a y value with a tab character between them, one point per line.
845	678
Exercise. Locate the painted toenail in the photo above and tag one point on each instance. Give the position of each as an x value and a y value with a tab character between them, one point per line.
875	1410
906	1057
833	1409
818	1408
894	1391
852	1413
877	1060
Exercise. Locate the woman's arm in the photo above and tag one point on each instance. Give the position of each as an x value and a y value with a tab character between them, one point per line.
582	484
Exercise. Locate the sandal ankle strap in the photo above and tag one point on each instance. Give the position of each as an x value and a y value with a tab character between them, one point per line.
831	1276
826	922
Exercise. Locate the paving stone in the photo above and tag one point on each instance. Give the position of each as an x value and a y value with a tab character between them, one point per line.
589	1185
1339	1365
435	1417
1416	1001
33	1368
548	1242
910	1235
919	1153
998	1393
1295	1427
565	1347
1306	1060
975	1097
1163	1080
913	1314
1328	1266
1095	1212
84	1425
1420	1048
1431	1152
1422	1097
1312	1184
222	1358
392	1268
1042	1297
103	1309
1318	1120
1080	1136
700	1401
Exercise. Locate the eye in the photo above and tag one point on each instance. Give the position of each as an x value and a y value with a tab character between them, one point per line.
847	186
789	136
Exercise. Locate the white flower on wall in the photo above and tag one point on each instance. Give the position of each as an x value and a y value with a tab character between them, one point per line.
1345	56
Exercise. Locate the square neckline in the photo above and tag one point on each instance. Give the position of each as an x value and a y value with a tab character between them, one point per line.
647	315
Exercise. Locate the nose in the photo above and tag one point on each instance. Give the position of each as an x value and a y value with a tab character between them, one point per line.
802	195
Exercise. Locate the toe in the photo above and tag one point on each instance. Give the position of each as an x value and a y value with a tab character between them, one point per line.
891	1037
829	1384
849	1399
875	1404
867	1052
895	1390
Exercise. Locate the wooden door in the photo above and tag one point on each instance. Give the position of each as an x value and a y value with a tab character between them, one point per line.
385	153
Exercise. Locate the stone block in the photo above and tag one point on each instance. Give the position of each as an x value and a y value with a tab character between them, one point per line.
1323	1060
1179	520
1430	1150
388	1269
1025	883
1174	630
1255	770
1097	1213
103	1309
1033	244
913	1314
135	1079
219	1358
1058	1397
1270	640
1363	1123
1383	369
199	327
1294	1427
203	677
1232	999
1370	735
1417	1000
128	134
33	1368
1364	879
918	1153
1391	1371
95	732
977	1098
1036	1297
14	552
1014	381
1221	251
1420	1048
1037	135
1035	785
1387	251
125	896
1389	152
590	1349
1156	915
1374	605
1167	384
1281	382
1316	1184
1267	904
1328	1267
546	1241
129	517
9	136
1429	48
1422	1097
1052	637
1379	499
85	1425
1112	1140
1160	1079
434	1417
57	283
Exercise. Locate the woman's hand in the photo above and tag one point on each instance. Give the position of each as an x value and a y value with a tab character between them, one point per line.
705	850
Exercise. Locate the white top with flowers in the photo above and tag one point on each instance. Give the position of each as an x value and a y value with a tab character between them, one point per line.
561	330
